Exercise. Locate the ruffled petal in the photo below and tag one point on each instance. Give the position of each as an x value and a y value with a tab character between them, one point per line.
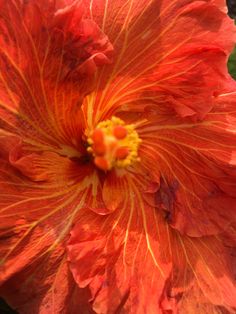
197	165
114	191
155	61
48	59
47	290
133	255
119	255
41	196
202	276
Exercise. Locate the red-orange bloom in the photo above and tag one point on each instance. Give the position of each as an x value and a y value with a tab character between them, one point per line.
118	157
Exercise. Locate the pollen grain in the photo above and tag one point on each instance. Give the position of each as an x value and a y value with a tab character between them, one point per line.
114	144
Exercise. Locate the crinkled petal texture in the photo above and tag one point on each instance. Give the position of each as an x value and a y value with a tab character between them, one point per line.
162	248
49	53
134	262
157	237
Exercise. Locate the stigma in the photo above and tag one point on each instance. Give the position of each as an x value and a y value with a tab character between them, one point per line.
114	144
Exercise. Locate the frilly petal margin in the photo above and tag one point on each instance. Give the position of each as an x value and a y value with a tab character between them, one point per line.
197	166
36	216
58	293
48	58
120	255
155	61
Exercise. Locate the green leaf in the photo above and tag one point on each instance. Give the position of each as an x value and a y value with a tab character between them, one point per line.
232	64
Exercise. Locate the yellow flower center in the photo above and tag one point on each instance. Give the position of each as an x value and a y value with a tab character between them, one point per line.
113	144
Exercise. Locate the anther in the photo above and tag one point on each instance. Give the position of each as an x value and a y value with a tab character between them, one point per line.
113	144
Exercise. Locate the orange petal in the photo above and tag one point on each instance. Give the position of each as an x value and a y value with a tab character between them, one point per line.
197	164
113	192
180	72
47	44
32	234
121	252
132	254
212	284
67	297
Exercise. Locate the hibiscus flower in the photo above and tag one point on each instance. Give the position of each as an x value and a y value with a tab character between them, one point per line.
118	163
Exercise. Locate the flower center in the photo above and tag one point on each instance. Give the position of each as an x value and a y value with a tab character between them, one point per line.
114	144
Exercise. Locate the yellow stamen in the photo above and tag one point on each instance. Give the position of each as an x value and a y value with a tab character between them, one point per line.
114	144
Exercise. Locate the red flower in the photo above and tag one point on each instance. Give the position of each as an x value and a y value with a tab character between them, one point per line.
118	163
